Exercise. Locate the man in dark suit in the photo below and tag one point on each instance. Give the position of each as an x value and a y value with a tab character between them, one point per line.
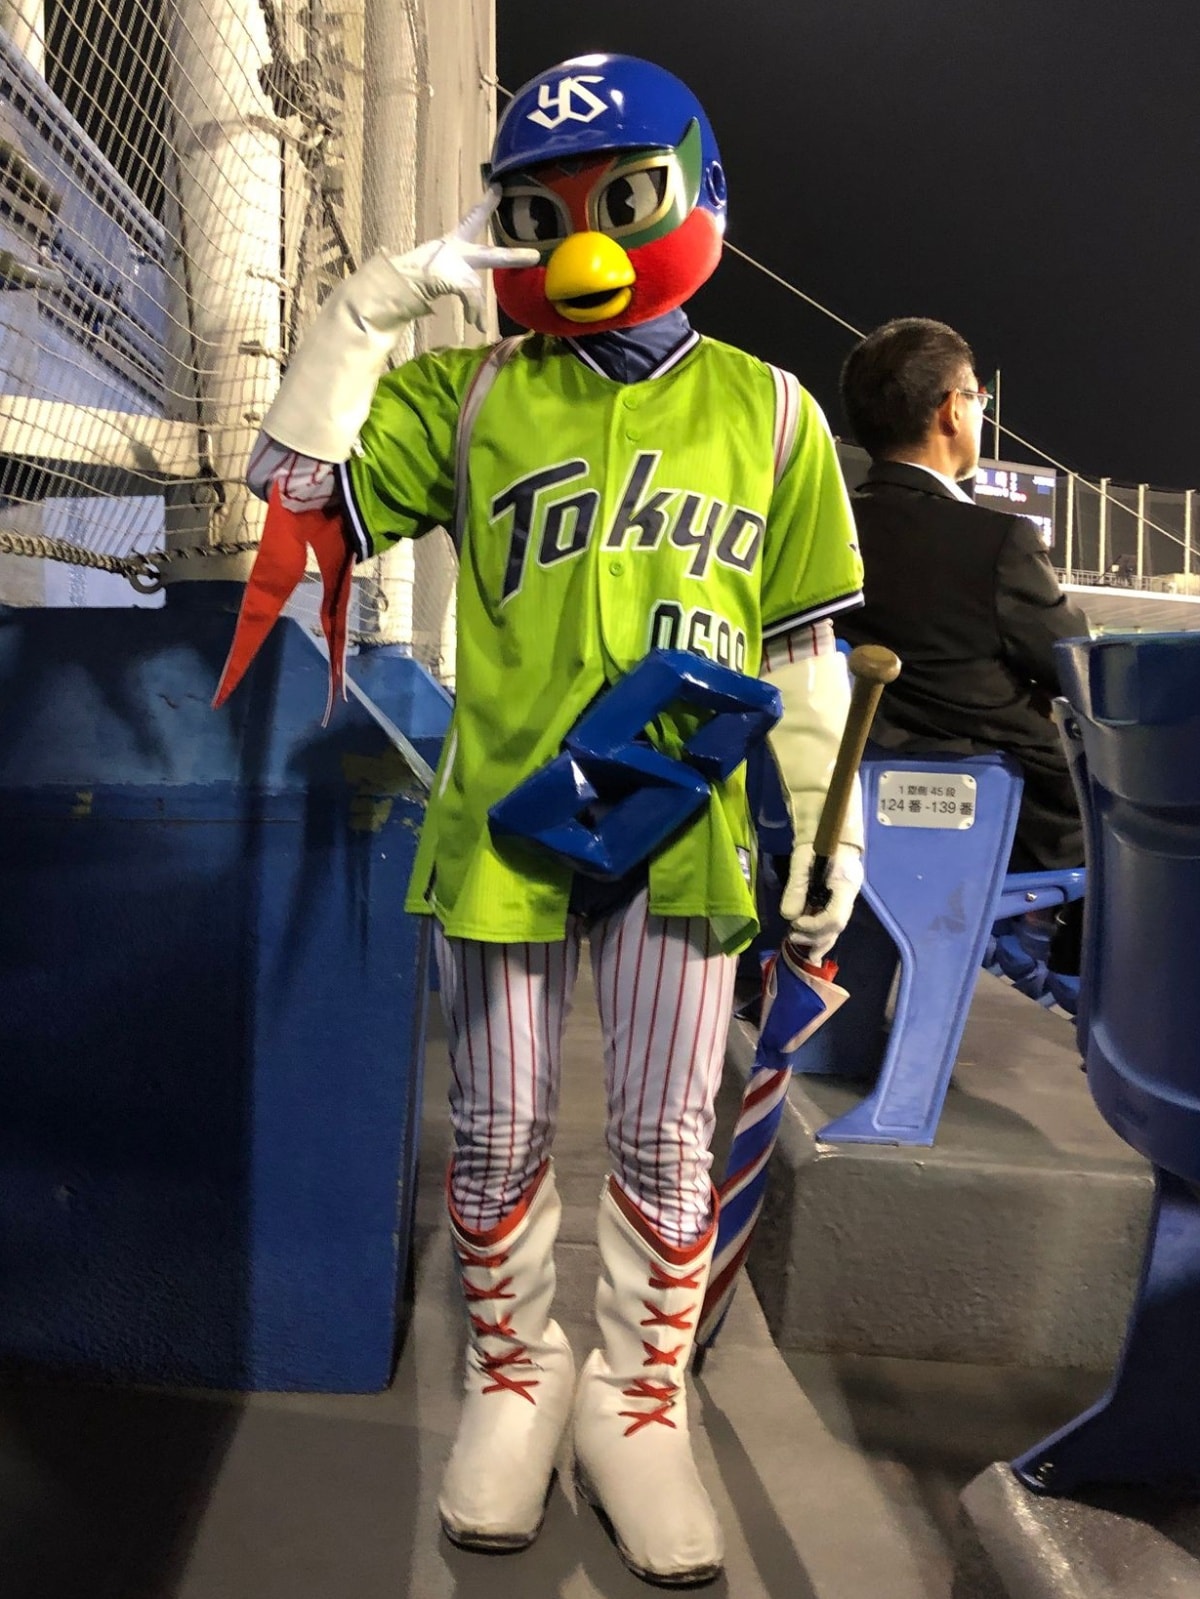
965	596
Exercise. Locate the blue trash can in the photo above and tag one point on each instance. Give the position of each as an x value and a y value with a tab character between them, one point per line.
213	1008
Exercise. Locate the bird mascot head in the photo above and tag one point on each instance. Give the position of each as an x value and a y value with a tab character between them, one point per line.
608	167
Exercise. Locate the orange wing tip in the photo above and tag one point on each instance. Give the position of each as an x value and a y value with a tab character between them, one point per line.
277	572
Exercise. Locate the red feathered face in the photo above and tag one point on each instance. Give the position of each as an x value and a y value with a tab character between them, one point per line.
621	237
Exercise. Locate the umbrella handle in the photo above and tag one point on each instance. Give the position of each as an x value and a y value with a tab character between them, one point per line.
872	668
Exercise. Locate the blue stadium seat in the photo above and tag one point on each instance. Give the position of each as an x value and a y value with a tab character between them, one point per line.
1019	948
932	894
1132	716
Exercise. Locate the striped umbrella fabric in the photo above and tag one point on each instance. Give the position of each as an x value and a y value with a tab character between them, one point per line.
742	1194
798	998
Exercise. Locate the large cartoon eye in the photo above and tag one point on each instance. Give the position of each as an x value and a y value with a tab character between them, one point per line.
531	218
632	198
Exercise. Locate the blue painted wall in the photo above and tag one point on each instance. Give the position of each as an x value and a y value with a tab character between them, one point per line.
400	686
211	1008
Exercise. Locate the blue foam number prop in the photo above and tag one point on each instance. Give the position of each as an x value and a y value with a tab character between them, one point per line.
609	799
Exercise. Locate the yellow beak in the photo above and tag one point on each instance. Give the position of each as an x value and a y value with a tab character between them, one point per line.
589	278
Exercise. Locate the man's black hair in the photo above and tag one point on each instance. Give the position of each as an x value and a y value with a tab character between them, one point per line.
894	381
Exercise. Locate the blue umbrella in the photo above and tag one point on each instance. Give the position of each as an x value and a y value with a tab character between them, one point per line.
798	997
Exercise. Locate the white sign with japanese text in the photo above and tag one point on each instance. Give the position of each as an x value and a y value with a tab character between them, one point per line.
926	799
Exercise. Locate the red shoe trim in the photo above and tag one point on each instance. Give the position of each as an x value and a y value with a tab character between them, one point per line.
638	1220
506	1225
643	1418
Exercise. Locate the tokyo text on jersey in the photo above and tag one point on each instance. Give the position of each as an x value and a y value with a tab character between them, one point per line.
603	520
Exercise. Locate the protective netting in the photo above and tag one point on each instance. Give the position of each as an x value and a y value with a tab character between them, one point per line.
1130	537
181	181
180	186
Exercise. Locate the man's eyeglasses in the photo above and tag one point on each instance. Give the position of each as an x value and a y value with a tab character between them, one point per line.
981	395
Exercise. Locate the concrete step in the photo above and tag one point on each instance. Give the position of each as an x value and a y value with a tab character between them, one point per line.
1015	1240
1115	1544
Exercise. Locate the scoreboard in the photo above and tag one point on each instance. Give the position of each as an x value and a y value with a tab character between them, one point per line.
1028	490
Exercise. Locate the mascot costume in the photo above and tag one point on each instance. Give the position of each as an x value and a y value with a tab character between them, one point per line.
616	483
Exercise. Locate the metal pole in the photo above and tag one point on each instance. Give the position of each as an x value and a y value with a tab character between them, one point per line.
996	417
22	581
1103	528
461	117
396	91
1141	531
1069	551
225	268
25	23
1187	532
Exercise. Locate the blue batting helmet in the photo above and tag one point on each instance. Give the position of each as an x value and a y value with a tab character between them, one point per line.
604	102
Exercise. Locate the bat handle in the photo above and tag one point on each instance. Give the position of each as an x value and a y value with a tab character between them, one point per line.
819	892
872	668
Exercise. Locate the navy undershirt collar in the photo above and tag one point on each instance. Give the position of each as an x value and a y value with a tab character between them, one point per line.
630	355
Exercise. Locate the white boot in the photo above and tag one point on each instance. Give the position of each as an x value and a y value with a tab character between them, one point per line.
633	1455
519	1377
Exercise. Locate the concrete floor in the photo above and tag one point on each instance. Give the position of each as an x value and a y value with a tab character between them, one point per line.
835	1478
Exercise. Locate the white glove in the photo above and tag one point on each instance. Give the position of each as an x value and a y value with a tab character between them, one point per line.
821	930
304	484
804	743
451	264
330	381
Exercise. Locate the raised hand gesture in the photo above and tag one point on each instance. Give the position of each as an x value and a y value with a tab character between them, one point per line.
452	264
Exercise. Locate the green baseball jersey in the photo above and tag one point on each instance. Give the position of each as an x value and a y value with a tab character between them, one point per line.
700	509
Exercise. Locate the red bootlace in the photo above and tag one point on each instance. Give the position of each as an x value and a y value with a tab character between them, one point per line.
492	1366
662	1357
660	1279
662	1395
478	1296
494	1329
662	1318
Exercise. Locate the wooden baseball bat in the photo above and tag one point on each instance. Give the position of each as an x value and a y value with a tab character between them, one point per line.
872	667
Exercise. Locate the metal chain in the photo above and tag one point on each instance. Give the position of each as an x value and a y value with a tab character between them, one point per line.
144	572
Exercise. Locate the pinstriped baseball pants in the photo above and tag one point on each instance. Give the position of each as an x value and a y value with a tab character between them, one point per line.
664	993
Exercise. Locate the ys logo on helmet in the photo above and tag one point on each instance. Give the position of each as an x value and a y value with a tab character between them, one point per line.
560	98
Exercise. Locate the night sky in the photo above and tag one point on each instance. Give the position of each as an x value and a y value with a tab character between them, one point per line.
1027	170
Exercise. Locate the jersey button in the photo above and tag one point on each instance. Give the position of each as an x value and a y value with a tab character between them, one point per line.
616	567
633	434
